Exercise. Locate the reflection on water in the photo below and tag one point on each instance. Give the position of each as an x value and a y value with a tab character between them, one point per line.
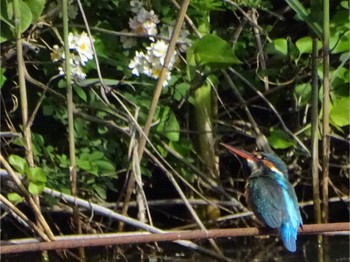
238	249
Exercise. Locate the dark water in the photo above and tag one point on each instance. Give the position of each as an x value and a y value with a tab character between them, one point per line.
238	249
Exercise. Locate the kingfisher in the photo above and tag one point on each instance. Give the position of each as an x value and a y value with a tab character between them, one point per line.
270	195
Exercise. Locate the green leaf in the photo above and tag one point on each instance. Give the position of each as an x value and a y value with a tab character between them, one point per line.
339	114
303	91
5	32
304	45
81	92
2	77
19	163
26	16
36	174
36	7
344	4
279	139
169	125
15	198
101	192
83	164
181	90
339	42
278	46
96	155
212	49
6	14
105	165
36	188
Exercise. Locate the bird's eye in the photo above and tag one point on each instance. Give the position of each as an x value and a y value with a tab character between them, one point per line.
259	156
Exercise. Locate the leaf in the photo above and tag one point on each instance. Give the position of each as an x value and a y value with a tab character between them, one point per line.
83	164
278	46
181	91
105	165
169	125
304	45
19	163
5	32
26	16
81	92
339	114
36	174
36	8
101	192
36	188
2	77
15	198
339	42
279	139
96	155
212	49
304	92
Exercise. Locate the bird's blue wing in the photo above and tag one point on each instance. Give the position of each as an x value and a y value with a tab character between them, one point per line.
276	206
266	199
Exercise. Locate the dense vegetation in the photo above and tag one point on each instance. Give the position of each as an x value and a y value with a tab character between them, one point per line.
249	73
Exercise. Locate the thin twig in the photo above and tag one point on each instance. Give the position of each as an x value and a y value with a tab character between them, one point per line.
284	126
326	101
260	138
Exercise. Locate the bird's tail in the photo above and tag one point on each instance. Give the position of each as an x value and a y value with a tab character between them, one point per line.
289	236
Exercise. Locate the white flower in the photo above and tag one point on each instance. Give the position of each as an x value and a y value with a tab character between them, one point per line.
152	62
139	64
77	73
81	52
84	48
145	22
81	44
157	51
136	6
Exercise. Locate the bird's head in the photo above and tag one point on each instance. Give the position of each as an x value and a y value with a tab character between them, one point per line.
265	162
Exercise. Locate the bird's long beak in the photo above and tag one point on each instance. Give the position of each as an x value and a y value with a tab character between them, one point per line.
240	152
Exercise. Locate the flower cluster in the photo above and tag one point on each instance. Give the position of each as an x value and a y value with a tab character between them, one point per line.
143	23
151	62
81	53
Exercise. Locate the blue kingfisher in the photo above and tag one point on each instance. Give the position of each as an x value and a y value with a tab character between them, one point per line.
270	195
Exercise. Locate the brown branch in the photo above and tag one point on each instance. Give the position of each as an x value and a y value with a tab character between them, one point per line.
133	238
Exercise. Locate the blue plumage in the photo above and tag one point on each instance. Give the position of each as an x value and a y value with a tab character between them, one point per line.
270	195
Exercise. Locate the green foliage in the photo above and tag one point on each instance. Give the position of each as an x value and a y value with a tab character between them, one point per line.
279	139
278	47
35	175
18	163
304	45
30	10
339	114
303	92
2	77
15	198
169	125
212	50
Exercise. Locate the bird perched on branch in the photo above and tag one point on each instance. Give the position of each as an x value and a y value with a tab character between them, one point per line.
270	195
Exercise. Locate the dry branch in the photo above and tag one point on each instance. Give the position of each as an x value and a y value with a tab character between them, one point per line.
133	238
